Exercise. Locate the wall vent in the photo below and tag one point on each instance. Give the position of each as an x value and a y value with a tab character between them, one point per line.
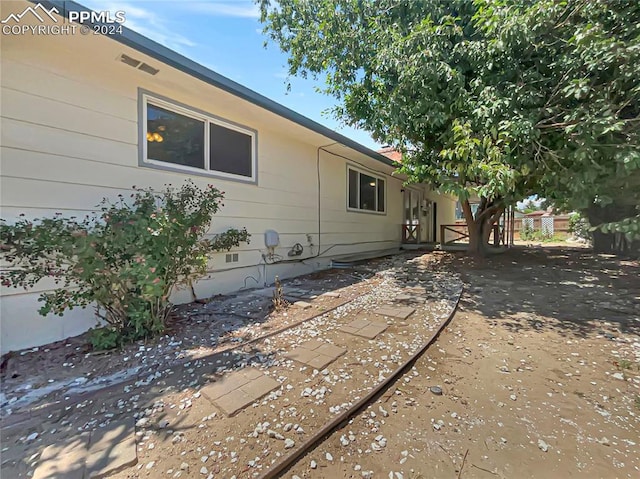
148	69
127	60
231	258
137	64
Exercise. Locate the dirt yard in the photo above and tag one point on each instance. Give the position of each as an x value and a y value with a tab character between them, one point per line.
539	377
540	372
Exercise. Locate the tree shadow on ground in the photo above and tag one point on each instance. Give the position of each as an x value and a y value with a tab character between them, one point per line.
570	290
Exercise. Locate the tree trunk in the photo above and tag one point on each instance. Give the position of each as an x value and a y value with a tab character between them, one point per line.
476	228
481	224
612	243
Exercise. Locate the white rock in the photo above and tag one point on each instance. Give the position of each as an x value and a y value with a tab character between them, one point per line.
151	464
289	443
544	447
203	470
313	464
329	457
143	422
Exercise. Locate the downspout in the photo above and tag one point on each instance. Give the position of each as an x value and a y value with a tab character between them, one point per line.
319	192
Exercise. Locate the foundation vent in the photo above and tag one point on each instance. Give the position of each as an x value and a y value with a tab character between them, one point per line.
231	258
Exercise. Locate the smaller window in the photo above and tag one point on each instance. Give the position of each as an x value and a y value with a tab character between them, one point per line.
365	192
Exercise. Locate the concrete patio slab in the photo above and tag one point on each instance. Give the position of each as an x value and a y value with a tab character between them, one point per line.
399	312
237	390
362	327
316	353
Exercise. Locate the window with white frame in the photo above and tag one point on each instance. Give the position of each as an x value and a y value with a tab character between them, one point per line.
181	138
365	191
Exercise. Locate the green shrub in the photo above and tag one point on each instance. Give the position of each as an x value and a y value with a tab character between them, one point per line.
579	226
527	232
127	259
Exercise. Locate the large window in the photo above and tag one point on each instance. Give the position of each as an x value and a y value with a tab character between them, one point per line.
366	192
179	138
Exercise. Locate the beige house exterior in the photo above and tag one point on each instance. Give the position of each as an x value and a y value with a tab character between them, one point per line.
74	129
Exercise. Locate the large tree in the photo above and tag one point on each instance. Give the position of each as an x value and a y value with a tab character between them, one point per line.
494	100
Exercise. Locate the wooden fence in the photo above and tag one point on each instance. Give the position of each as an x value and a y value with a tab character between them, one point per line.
560	225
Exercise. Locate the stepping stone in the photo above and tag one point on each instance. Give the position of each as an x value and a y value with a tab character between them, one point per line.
364	328
108	461
302	304
331	294
316	354
117	431
68	445
403	297
70	465
399	312
411	298
100	453
237	390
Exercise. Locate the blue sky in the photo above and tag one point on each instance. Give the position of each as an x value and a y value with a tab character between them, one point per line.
225	35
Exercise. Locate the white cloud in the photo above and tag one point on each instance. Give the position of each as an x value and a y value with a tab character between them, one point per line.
238	8
145	22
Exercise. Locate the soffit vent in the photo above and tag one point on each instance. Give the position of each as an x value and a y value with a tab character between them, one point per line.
127	60
137	64
148	69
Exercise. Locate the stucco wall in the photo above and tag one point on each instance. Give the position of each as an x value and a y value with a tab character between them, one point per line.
70	138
